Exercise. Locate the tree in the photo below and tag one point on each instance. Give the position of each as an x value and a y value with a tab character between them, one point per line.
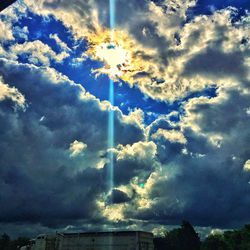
4	241
229	240
7	244
238	239
183	238
215	242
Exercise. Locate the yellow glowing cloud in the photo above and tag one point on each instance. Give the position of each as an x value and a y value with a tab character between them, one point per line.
119	53
157	67
113	212
117	59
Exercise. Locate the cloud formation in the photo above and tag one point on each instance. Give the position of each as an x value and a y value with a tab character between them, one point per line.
6	33
247	165
36	166
7	92
77	148
171	56
54	164
38	53
196	177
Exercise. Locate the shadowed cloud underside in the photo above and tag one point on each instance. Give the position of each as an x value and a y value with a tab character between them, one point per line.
124	115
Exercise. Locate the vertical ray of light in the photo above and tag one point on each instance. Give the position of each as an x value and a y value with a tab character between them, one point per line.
112	14
111	100
111	124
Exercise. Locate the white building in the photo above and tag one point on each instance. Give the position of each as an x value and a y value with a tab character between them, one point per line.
122	240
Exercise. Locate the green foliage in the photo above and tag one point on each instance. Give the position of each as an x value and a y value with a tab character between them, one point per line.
238	239
215	242
4	241
185	238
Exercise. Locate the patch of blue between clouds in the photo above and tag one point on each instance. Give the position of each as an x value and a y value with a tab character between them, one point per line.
207	7
126	98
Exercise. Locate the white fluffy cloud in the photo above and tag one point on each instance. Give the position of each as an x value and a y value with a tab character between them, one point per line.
38	53
170	71
142	151
6	33
178	168
12	93
170	135
165	69
247	165
77	148
62	44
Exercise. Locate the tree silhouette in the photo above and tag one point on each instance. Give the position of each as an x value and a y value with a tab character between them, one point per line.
215	242
7	244
4	242
183	238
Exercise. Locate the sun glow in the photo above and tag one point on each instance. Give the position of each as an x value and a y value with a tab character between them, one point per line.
117	60
120	54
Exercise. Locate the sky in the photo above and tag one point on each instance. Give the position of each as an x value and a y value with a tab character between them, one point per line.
181	115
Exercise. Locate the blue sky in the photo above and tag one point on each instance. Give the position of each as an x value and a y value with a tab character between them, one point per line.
181	115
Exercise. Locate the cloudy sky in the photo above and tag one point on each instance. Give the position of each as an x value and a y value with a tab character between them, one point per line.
181	115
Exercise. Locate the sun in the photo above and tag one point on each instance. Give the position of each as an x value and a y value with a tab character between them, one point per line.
117	60
116	50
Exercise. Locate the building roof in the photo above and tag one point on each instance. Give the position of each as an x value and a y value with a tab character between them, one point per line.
114	233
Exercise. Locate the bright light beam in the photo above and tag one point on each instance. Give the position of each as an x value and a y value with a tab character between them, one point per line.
111	125
112	14
111	111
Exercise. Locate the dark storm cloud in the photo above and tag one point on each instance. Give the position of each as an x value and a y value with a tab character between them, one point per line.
39	181
166	150
206	183
126	169
163	124
52	200
117	197
206	192
225	117
215	63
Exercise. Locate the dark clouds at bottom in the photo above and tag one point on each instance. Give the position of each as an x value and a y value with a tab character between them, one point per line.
207	183
44	188
39	181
